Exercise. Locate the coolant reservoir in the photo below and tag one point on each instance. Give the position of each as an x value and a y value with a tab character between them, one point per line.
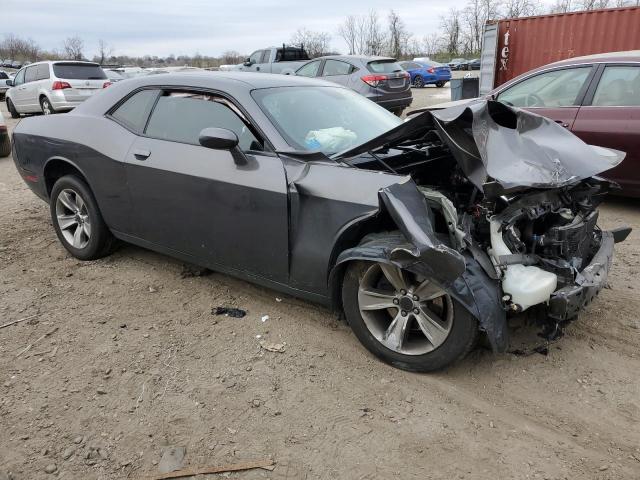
527	285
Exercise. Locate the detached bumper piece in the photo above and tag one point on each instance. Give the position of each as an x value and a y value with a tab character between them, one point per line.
568	301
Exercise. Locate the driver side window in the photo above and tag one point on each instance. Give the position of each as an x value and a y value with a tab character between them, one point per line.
559	88
180	116
19	80
255	57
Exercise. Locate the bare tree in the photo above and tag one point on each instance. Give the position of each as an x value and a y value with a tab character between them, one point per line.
432	44
561	6
520	8
348	30
73	47
451	26
397	35
17	48
363	34
315	43
104	51
592	4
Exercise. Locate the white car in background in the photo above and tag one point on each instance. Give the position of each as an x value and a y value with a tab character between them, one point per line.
54	86
5	143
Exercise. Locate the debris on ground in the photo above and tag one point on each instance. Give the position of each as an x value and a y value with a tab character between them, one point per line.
266	464
189	271
264	318
172	459
8	324
541	349
273	347
229	312
28	347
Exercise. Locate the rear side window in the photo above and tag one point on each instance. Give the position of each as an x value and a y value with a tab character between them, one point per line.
181	116
134	112
309	70
43	71
384	66
31	75
3	76
78	71
618	87
335	67
291	55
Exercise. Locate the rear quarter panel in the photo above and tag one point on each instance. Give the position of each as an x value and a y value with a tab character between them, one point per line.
96	146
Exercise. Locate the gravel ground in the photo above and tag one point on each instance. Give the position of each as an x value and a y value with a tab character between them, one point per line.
126	360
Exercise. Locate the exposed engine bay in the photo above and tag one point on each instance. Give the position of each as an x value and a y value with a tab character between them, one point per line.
515	193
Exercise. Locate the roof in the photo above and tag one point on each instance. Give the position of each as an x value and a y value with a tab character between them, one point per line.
365	58
629	55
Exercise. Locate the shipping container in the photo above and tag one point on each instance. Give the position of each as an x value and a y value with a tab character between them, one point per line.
514	46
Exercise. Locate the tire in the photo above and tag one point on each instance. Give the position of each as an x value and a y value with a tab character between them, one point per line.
419	353
45	105
12	109
418	82
72	202
440	84
398	112
5	147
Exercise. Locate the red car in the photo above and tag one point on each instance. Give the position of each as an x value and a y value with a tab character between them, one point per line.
597	97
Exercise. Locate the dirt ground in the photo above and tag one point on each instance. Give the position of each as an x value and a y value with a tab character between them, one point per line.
126	359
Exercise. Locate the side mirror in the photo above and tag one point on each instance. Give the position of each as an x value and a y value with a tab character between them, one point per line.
218	138
9	83
248	63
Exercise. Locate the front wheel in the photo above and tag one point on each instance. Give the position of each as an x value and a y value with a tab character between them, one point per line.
12	109
78	221
407	321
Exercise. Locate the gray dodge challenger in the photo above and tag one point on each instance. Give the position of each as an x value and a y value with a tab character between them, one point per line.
426	233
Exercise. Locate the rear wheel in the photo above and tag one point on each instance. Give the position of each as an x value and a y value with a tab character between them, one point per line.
45	105
407	321
78	221
440	84
418	82
12	109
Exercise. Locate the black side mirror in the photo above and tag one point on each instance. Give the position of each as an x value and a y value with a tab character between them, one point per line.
218	138
248	63
9	83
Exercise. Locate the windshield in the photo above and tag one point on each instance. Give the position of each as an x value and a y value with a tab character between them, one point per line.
78	71
326	119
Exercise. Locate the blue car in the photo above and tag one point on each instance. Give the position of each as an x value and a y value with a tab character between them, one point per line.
427	72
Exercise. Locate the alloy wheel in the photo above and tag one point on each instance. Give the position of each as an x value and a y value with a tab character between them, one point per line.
46	107
73	218
408	315
418	82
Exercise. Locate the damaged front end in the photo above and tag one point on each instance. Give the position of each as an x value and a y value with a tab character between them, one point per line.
500	210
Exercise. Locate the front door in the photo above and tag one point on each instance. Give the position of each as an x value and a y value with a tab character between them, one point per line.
610	118
201	201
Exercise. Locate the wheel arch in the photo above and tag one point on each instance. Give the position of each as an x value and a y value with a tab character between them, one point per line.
58	167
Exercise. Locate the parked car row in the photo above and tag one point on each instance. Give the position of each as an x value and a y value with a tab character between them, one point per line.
426	72
8	63
463	64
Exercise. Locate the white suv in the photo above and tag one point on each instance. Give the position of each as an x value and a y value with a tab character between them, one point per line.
51	87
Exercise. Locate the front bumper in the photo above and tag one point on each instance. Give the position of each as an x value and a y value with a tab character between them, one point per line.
568	301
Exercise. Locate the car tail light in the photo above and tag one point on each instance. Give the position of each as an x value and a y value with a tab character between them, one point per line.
106	84
375	80
406	74
60	85
431	70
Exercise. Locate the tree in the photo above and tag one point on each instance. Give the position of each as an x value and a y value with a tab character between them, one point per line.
451	26
104	51
73	47
520	8
315	43
348	30
398	37
363	34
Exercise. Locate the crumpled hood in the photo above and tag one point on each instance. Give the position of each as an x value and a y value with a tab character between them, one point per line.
516	148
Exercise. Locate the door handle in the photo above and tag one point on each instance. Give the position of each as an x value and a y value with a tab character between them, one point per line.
560	122
141	154
257	69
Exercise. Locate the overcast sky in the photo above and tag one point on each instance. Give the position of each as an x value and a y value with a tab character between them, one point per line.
162	27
